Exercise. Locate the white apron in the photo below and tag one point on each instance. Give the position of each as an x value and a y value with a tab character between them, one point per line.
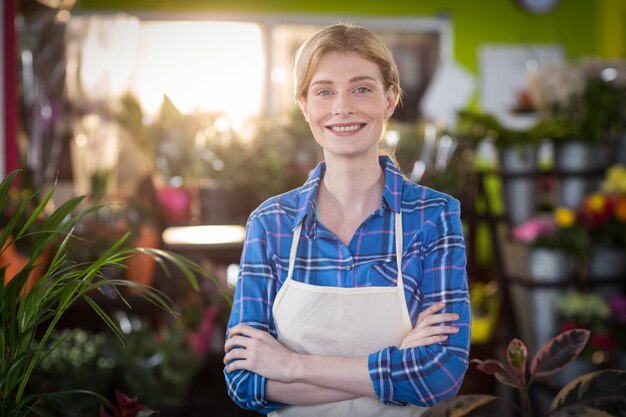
333	321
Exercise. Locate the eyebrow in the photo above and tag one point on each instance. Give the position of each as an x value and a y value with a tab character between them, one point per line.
352	80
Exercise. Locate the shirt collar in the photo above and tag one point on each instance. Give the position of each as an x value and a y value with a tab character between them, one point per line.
392	193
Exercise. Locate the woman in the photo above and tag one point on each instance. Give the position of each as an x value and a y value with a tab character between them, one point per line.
352	297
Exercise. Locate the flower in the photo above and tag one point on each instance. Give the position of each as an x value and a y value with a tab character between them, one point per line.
615	180
588	311
558	231
604	217
582	100
125	407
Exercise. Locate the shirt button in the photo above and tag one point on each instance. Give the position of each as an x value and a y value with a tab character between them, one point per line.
349	267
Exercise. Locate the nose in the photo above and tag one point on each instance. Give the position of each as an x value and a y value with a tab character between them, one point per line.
343	104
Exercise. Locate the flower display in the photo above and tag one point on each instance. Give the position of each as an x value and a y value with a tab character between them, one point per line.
557	231
603	213
582	101
588	311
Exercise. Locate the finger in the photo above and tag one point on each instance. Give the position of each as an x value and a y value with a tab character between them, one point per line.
423	342
242	329
436	319
431	309
236	341
237	365
432	331
235	354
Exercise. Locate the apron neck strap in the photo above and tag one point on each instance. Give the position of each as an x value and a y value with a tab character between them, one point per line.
294	250
399	248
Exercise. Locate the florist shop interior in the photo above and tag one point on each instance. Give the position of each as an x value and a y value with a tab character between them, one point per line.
174	120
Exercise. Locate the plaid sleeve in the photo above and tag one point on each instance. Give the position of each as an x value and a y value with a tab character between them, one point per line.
252	305
425	375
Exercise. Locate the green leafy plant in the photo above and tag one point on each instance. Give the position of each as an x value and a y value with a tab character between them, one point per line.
597	393
28	318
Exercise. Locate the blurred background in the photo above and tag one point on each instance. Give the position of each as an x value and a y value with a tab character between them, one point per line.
178	117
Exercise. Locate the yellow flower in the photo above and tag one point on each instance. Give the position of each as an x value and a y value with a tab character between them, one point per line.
596	203
564	217
615	181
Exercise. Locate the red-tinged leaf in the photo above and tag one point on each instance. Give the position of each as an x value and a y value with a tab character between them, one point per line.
517	354
128	406
503	373
463	406
601	393
559	352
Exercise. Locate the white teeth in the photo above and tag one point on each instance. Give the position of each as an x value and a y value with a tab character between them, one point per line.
346	128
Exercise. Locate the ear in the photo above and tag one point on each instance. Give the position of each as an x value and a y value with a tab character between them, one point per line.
392	97
303	108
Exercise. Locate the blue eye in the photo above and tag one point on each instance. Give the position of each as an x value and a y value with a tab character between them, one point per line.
323	93
362	90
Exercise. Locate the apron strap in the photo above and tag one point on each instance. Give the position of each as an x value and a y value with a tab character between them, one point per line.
399	243
293	251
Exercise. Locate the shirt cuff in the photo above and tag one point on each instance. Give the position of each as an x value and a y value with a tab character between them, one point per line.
379	364
257	388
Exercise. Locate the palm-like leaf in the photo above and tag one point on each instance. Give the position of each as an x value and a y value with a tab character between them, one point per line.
24	314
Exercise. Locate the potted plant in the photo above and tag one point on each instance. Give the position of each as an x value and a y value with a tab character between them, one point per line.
517	150
555	243
585	310
598	393
603	214
581	106
28	318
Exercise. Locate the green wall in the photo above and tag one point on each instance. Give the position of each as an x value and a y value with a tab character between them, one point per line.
583	27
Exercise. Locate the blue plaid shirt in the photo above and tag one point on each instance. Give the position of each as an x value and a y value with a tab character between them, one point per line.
433	267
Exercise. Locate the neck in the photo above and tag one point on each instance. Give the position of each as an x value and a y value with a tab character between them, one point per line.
354	183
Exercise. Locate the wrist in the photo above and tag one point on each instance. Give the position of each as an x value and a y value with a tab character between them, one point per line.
294	365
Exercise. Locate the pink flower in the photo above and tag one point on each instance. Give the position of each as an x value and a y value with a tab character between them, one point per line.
618	307
126	406
200	341
531	229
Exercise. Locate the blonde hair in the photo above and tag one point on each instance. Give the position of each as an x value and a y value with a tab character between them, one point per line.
342	38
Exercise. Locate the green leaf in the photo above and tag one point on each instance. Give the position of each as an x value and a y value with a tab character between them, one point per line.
5	186
596	393
516	354
462	406
559	352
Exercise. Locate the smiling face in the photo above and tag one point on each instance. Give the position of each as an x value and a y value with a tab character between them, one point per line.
346	105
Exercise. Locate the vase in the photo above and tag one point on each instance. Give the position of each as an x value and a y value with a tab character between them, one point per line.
520	194
578	157
140	267
619	149
545	265
175	205
15	262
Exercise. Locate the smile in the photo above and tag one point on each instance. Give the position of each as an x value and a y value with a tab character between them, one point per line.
346	128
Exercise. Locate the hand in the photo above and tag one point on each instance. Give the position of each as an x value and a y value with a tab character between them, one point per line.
257	351
426	332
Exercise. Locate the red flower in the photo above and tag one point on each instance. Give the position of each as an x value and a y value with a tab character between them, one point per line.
125	407
602	341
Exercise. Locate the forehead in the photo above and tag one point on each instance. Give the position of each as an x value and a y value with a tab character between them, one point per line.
343	66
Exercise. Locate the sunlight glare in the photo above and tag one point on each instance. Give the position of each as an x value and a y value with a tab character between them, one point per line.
201	66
